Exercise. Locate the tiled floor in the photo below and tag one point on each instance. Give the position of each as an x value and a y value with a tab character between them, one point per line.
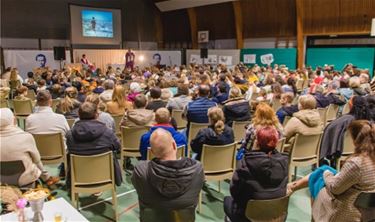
100	209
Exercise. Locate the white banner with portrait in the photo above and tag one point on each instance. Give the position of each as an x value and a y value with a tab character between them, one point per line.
28	60
102	58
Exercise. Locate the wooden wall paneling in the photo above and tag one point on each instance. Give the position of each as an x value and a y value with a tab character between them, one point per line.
193	27
300	35
238	23
159	28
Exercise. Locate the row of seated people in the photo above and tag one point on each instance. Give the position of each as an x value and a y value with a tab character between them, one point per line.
215	117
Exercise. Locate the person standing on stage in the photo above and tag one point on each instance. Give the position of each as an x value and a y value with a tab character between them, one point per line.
129	59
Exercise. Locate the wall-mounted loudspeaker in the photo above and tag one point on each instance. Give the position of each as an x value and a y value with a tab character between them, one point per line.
59	53
204	53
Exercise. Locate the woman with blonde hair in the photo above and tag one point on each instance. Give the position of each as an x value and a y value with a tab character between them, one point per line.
236	108
217	133
69	105
264	116
119	103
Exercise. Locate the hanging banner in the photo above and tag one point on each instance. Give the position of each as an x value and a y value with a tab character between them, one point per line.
28	60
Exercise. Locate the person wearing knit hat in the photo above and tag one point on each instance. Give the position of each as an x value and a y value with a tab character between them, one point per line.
19	145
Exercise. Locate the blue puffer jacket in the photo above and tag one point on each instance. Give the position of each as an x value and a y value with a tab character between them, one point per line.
179	138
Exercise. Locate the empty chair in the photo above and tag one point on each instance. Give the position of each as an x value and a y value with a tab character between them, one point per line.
51	148
11	171
180	153
117	119
21	109
348	149
239	130
267	210
332	111
165	215
193	131
130	141
177	116
87	177
365	203
219	163
304	152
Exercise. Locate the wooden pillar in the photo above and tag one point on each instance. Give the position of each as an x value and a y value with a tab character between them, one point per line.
300	34
238	23
159	29
193	27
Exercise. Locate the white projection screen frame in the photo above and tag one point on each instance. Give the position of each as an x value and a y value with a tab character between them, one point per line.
76	27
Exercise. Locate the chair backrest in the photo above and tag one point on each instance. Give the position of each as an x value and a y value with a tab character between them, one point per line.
306	147
11	171
50	146
348	146
22	107
332	111
4	103
267	210
218	159
131	137
280	144
177	116
254	96
276	104
117	119
71	122
55	102
193	131
180	152
365	203
31	94
164	215
85	170
300	85
239	129
286	120
346	109
323	115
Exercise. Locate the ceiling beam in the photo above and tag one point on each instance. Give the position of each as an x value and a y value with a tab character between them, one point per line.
193	27
171	5
238	23
300	35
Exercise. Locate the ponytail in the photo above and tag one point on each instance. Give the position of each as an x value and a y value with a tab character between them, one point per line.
219	127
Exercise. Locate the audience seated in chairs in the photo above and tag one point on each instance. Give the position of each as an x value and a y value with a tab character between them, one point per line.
166	183
222	95
306	121
106	95
217	133
22	93
181	99
333	136
139	116
90	137
262	174
263	116
156	101
334	195
321	100
287	108
119	103
103	117
162	119
69	105
19	145
236	108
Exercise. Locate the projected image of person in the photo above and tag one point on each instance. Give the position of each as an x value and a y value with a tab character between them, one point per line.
41	60
157	61
97	23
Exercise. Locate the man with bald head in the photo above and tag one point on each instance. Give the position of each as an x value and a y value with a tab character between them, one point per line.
196	111
167	183
162	119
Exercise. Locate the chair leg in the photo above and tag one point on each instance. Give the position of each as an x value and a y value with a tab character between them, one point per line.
295	173
114	203
122	163
219	186
200	203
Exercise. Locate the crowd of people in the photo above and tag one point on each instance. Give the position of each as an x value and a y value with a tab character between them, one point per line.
216	96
